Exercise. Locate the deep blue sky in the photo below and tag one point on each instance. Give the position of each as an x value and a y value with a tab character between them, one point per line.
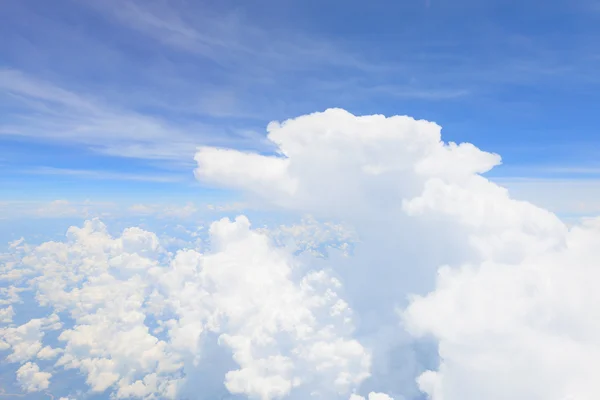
107	99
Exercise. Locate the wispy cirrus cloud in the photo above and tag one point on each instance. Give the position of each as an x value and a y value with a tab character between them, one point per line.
52	113
281	69
105	175
60	208
178	75
229	39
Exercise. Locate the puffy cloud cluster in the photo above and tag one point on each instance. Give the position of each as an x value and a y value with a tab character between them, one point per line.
522	331
453	290
145	321
313	237
31	379
25	341
513	305
335	164
278	329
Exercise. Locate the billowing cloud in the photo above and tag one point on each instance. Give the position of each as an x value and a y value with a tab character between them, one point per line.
511	278
32	379
284	328
452	290
6	314
527	330
25	341
338	165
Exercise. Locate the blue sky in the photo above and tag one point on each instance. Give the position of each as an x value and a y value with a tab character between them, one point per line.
107	100
103	104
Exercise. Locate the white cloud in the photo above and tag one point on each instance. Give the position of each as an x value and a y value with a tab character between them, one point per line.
258	172
48	353
16	243
504	288
232	40
527	330
287	333
6	314
337	164
395	182
69	117
9	294
508	310
25	341
104	175
262	308
31	379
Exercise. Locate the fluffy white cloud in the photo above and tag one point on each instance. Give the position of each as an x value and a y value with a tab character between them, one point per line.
508	308
25	341
48	353
32	379
6	314
503	287
528	330
10	294
285	327
244	290
252	171
338	165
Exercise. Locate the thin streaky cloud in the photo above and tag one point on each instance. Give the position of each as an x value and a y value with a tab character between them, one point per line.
57	114
104	175
231	40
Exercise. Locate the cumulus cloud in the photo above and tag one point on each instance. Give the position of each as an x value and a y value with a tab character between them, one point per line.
32	379
25	341
400	186
452	290
6	314
259	307
48	353
252	171
403	190
286	329
521	331
336	164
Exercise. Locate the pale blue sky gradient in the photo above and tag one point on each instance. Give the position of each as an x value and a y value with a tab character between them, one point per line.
107	100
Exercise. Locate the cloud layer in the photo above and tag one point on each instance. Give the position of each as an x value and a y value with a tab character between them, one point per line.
453	290
284	329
